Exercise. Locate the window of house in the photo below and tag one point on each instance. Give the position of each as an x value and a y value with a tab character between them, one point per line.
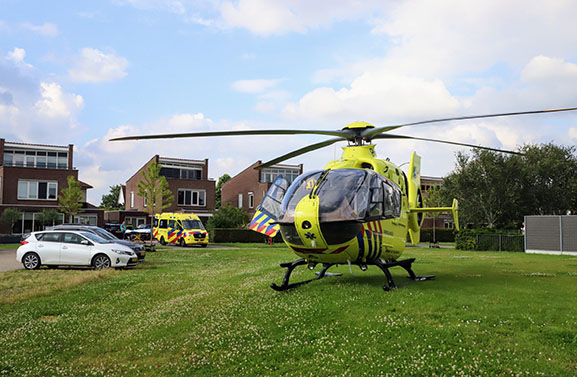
239	200
191	197
131	199
39	190
36	159
270	174
250	200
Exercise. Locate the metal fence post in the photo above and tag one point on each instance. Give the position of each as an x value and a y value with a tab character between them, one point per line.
561	233
500	241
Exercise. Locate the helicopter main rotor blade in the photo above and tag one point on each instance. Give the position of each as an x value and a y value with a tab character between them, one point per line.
388	136
298	152
344	134
370	134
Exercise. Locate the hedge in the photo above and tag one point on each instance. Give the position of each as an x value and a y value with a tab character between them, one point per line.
220	235
10	238
441	235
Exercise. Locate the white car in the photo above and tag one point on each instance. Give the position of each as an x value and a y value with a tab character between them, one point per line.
72	248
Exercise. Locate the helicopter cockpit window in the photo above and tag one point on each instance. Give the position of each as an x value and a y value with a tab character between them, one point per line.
343	195
272	201
392	200
301	187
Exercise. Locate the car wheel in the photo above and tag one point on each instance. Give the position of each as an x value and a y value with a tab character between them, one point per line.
31	261
101	262
182	242
162	241
204	245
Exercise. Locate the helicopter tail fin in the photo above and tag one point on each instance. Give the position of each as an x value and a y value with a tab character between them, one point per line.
415	198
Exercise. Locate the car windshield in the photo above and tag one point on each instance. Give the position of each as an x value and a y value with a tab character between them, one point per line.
192	224
94	237
105	234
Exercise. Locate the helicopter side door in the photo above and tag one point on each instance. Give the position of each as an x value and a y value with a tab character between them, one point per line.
270	209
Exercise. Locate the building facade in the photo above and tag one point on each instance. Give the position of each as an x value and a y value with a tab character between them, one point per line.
247	189
188	181
442	220
31	178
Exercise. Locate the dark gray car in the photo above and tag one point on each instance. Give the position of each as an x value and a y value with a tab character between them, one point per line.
137	248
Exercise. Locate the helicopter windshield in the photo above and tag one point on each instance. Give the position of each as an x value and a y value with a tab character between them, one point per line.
272	202
345	195
301	187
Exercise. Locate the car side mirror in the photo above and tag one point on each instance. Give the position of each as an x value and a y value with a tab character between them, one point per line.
85	242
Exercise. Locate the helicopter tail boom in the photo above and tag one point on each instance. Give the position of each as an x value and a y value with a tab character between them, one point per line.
454	210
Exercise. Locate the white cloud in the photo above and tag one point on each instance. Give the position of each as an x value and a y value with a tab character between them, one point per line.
57	104
273	17
93	65
33	108
47	29
543	68
455	36
377	97
255	86
172	6
261	17
17	55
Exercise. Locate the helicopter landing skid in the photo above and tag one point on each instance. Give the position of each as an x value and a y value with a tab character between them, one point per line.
291	266
407	265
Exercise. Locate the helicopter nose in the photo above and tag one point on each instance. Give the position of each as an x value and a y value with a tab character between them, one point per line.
307	223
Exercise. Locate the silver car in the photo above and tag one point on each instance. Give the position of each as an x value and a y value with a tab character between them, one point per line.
72	248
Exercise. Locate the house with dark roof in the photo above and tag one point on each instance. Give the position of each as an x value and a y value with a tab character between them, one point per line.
188	180
247	189
31	178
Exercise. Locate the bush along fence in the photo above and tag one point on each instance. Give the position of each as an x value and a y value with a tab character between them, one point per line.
240	235
475	240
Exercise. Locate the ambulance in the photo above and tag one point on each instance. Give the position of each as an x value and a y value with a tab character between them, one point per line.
179	228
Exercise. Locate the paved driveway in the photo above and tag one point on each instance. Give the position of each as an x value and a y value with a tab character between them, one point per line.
8	260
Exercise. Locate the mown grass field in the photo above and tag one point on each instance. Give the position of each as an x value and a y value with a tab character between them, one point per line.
204	312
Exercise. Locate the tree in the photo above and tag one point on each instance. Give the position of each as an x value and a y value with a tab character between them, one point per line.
110	201
70	199
154	189
48	217
228	217
498	190
10	216
221	181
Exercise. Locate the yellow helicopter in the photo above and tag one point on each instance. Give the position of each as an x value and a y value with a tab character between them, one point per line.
355	211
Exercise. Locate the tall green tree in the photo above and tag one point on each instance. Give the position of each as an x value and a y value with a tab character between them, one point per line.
221	181
498	190
154	189
110	201
70	199
10	216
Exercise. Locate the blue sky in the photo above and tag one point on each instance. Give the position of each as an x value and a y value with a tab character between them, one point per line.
81	72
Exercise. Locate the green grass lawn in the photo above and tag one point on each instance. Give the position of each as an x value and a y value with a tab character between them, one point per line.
206	312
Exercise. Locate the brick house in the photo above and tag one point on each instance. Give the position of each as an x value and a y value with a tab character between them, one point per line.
444	220
188	180
31	178
248	188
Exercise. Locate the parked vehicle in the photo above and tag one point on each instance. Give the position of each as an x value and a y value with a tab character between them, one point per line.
73	248
179	228
143	232
115	229
137	248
